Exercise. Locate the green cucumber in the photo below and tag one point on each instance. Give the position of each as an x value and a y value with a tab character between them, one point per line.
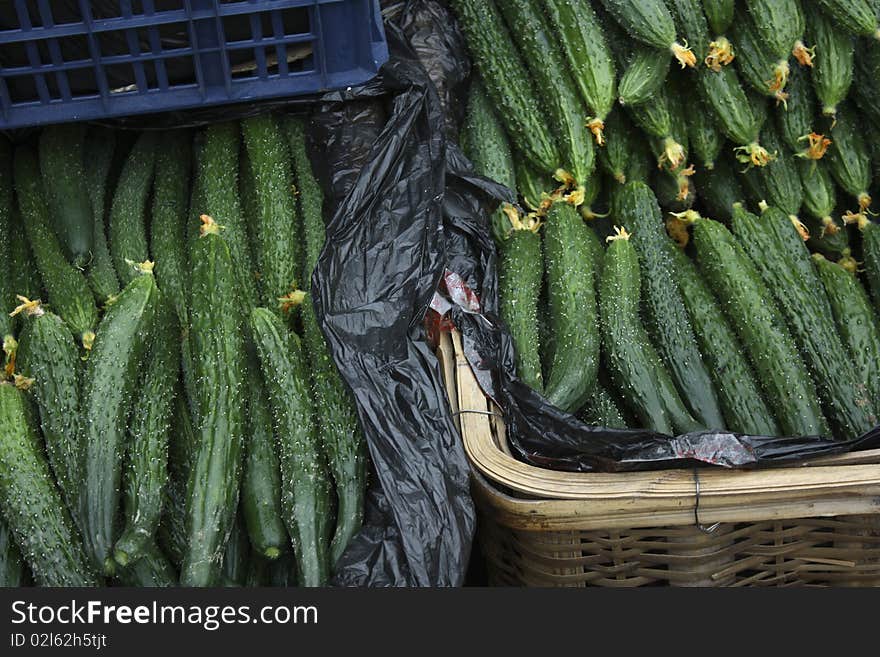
535	38
69	292
146	469
636	369
48	355
13	570
751	310
153	570
602	410
848	157
112	373
719	15
645	73
588	56
650	22
614	157
486	145
24	277
820	200
855	16
690	22
635	207
706	140
7	293
304	481
833	62
535	187
128	233
181	454
31	503
218	352
99	152
278	253
655	118
169	219
745	410
781	181
508	82
764	70
856	322
675	191
570	273
871	256
866	86
796	122
778	24
62	163
641	161
720	188
782	259
237	555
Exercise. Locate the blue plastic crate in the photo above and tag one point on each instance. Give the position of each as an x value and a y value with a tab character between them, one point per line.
74	60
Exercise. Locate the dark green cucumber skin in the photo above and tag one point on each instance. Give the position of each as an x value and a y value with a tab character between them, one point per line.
602	410
856	322
589	58
756	60
519	281
486	144
13	571
834	61
690	22
780	179
614	156
168	226
508	82
531	32
258	572
635	207
706	140
871	258
645	73
854	16
218	172
570	274
48	354
719	15
181	454
720	188
655	117
305	483
820	200
778	23
648	21
532	184
751	310
745	410
218	352
236	556
69	292
279	253
24	277
343	440
261	485
848	157
641	162
146	468
796	118
99	153
636	369
783	261
723	92
866	90
666	186
7	293
62	162
127	229
153	570
112	375
31	503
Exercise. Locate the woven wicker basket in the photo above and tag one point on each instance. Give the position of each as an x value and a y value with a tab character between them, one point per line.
817	523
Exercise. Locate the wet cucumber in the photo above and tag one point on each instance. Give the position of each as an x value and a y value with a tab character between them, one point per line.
636	369
69	292
706	140
783	262
181	453
13	571
570	273
535	187
780	179
24	277
827	235
146	469
720	188
589	58
752	313
614	157
7	293
48	355
778	23
533	35
855	320
153	570
796	122
31	503
871	256
99	152
645	73
127	229
635	207
764	70
719	15
602	410
486	145
690	22
655	118
848	157
169	219
62	163
508	83
650	22
237	555
857	17
305	483
745	410
124	335
218	352
866	87
833	62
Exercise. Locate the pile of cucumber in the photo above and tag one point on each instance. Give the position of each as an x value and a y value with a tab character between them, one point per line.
709	259
169	410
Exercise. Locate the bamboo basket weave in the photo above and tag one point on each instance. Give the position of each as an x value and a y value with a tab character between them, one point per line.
816	523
